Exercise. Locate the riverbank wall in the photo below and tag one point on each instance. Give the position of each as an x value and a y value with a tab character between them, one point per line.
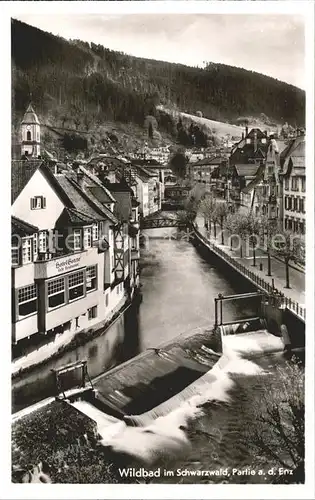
117	338
287	313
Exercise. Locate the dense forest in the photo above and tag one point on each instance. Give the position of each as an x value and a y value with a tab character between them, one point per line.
82	83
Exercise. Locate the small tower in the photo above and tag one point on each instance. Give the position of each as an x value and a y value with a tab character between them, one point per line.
30	130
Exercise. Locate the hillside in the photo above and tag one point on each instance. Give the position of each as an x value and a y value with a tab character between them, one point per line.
75	84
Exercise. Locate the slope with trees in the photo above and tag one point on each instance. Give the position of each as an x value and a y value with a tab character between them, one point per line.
77	79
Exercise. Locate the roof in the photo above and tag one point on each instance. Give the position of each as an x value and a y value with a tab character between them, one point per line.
295	152
100	194
244	153
247	169
252	184
30	116
79	200
21	228
119	187
97	183
72	217
259	133
21	172
144	173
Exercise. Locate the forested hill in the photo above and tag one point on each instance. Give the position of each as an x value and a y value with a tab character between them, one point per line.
82	81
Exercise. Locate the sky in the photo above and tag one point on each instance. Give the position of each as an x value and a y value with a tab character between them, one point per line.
269	44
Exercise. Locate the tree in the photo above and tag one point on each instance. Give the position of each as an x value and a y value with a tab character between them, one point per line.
290	247
222	212
277	430
242	226
206	208
231	226
178	165
150	124
269	229
254	230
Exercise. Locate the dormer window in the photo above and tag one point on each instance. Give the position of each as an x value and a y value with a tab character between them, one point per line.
38	202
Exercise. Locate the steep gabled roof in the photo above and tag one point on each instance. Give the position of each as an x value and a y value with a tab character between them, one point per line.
247	169
72	217
252	184
21	172
295	152
145	171
260	134
21	228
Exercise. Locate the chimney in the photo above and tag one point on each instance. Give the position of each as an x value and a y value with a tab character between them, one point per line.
246	130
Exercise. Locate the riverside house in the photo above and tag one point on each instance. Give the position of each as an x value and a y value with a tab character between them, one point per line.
70	257
294	185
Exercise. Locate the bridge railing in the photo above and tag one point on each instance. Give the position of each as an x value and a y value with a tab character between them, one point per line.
257	280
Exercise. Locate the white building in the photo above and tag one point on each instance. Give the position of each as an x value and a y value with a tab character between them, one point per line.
294	185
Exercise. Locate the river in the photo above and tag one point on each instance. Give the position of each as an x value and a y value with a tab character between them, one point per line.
178	288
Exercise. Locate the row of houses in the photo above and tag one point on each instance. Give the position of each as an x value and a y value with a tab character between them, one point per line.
262	175
75	236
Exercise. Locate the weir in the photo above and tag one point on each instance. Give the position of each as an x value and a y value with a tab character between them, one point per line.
160	380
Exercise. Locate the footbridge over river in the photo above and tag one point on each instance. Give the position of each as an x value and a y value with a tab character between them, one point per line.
163	219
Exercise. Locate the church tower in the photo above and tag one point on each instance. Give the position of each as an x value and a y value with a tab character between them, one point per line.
30	129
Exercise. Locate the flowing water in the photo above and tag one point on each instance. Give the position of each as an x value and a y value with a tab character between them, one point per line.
178	287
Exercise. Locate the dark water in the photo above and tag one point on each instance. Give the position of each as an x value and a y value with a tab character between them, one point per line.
178	287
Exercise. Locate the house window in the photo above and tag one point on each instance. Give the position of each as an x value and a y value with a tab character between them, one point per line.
35	246
263	140
302	205
95	232
91	280
28	136
27	300
42	241
295	204
56	292
303	184
92	312
106	300
248	141
27	250
287	184
289	203
77	245
87	237
15	252
76	285
38	202
294	184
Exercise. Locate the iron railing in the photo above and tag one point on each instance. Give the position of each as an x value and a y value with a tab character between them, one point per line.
257	280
